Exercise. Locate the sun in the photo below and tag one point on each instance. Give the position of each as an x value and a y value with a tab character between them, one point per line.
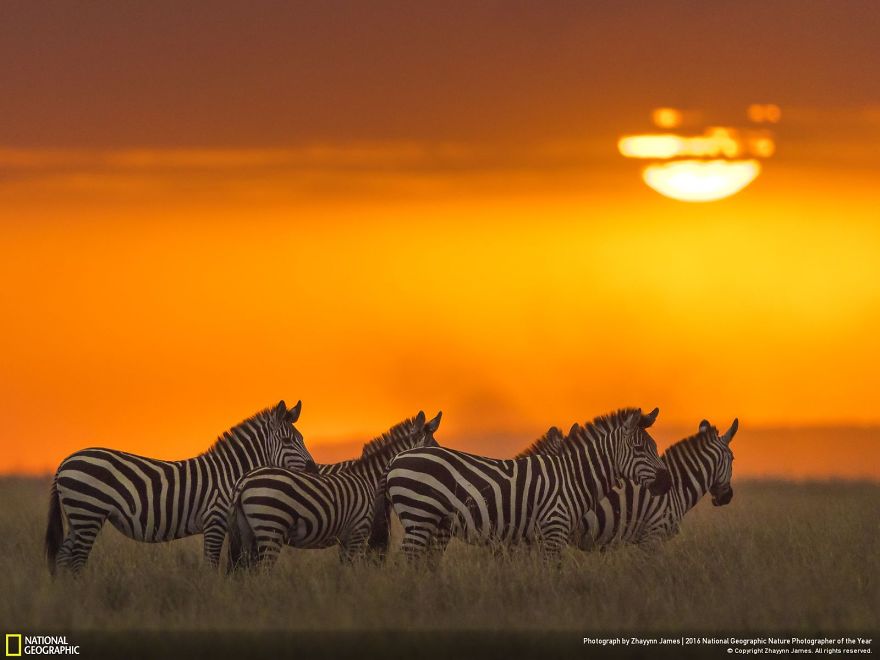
701	166
701	180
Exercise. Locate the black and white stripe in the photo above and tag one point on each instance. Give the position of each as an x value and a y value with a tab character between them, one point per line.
327	469
630	514
535	498
153	500
273	506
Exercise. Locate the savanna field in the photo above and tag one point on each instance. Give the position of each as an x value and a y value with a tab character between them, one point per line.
783	556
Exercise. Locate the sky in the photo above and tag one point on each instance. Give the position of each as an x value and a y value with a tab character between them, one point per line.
379	208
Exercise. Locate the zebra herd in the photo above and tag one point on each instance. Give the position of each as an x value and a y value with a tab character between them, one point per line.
259	487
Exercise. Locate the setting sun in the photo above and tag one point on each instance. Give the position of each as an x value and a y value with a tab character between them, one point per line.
703	167
701	181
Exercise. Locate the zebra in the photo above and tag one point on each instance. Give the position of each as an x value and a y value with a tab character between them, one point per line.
153	500
629	514
549	443
273	506
505	502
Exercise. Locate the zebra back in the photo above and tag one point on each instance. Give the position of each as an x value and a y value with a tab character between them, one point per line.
327	469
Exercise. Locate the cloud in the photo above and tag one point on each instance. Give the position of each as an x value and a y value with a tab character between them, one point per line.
317	156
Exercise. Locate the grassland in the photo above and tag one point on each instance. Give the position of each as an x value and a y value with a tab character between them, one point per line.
781	557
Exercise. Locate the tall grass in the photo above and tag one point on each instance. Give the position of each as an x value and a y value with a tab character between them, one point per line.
781	557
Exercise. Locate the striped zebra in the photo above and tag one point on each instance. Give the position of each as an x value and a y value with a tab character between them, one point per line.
273	506
505	502
152	500
630	514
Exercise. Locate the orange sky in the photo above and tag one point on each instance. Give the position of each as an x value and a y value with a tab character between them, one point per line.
490	256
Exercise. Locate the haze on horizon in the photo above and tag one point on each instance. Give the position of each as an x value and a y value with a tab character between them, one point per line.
386	209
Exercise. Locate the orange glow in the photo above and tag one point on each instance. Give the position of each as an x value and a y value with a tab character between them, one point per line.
150	315
666	117
770	113
762	146
701	181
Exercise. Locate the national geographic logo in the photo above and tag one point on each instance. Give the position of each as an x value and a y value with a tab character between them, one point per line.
18	644
13	645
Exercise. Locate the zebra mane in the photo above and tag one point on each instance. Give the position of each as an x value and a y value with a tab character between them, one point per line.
698	438
388	440
234	434
548	444
581	435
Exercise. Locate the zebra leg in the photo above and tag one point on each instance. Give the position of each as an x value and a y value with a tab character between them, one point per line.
269	544
499	551
417	538
84	529
214	532
551	552
439	543
651	537
552	537
651	541
354	547
65	552
380	529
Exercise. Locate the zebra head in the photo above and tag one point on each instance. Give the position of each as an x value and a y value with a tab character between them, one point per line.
635	452
416	432
720	465
285	445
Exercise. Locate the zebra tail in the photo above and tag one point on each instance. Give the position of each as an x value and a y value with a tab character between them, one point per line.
54	528
241	537
380	530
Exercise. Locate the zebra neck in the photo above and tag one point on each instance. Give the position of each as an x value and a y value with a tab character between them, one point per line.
230	461
589	474
371	467
689	482
336	468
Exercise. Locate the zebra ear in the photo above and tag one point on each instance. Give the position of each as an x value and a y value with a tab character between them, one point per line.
574	429
280	411
434	424
420	420
704	426
649	419
293	413
728	436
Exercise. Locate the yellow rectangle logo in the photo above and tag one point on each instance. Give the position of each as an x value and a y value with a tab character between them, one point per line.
17	646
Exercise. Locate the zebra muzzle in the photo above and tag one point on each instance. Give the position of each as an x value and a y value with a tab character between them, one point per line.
722	496
661	484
